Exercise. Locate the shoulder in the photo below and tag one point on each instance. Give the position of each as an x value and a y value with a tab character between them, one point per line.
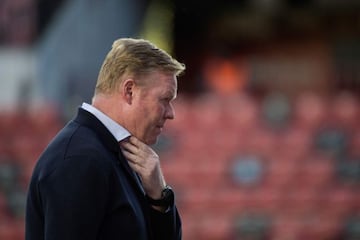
75	147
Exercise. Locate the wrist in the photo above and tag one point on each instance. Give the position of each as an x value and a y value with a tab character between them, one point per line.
156	193
166	198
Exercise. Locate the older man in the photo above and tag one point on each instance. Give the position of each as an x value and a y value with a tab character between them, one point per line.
98	178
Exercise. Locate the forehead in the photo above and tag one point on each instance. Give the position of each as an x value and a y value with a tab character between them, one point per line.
164	83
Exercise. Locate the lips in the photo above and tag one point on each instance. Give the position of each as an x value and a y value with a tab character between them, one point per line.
160	126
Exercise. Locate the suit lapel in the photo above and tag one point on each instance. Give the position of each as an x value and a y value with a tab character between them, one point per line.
132	175
85	118
89	120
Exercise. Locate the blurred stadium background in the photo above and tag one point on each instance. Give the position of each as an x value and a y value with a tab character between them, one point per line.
266	140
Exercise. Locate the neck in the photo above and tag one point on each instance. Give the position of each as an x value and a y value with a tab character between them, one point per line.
109	105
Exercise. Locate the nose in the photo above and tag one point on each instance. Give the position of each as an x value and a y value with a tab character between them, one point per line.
170	112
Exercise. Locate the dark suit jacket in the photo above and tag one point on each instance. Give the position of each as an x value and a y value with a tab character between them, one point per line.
82	188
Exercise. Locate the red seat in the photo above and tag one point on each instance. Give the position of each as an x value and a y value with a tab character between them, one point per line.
315	172
206	226
241	113
310	110
12	230
285	227
345	110
281	171
339	202
300	201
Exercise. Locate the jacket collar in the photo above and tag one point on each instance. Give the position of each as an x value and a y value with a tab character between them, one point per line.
88	119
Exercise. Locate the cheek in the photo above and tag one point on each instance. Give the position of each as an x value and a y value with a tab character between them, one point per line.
152	112
161	110
156	109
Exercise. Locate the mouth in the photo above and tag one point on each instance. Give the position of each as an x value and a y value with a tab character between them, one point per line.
160	127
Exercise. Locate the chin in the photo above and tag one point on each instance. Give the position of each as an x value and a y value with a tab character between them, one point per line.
152	141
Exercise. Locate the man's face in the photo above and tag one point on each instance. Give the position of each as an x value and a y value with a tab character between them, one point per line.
152	105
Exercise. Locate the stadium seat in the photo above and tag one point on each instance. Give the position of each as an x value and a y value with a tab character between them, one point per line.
310	110
345	110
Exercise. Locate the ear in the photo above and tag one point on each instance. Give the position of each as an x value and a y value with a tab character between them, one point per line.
128	90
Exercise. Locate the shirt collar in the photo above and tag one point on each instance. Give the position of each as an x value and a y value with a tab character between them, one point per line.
118	131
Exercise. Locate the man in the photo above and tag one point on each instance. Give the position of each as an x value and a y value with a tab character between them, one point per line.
98	178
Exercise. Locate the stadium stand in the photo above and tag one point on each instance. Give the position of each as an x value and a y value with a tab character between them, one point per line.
286	180
246	181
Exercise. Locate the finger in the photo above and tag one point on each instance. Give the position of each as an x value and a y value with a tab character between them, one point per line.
136	142
143	149
129	156
133	158
130	147
136	168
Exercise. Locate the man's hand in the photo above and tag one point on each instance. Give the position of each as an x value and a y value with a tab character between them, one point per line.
145	162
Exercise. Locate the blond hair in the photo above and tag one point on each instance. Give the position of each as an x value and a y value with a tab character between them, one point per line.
133	57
